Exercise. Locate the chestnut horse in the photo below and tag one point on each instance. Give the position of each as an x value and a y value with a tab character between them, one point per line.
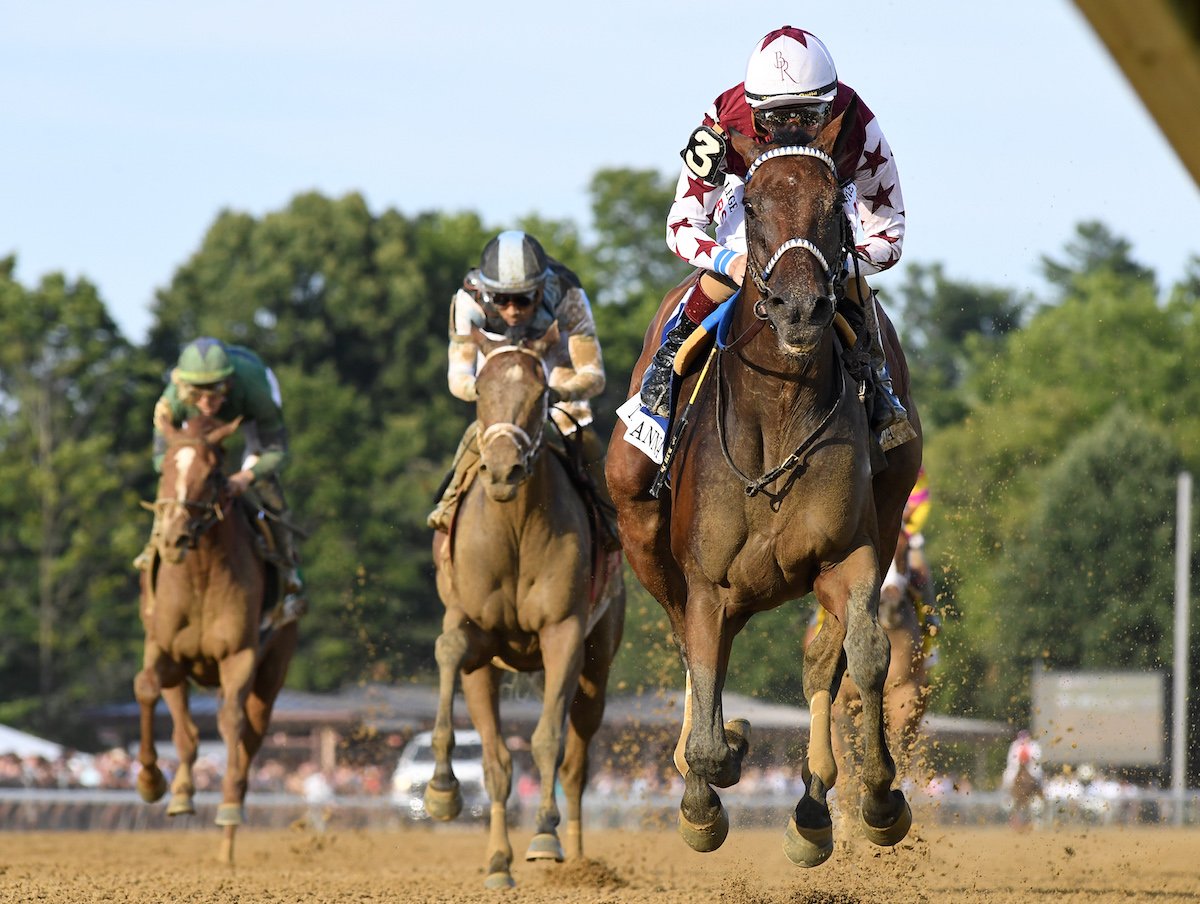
527	587
201	608
723	544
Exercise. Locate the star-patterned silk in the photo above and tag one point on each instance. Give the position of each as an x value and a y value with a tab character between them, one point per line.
866	161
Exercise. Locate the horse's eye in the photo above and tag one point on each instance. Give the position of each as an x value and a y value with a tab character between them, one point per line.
747	208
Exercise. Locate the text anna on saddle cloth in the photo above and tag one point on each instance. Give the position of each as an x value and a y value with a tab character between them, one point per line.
519	292
791	90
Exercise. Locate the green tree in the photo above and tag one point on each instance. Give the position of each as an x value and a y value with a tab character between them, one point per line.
68	381
949	327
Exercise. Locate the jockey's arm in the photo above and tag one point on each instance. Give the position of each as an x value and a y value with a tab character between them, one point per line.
691	214
585	377
259	408
876	206
170	408
463	352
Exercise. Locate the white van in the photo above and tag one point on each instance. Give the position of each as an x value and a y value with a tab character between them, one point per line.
415	769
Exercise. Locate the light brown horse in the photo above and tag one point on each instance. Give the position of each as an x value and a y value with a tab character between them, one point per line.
726	543
201	609
527	587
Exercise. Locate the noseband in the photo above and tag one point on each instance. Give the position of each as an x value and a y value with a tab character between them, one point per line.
760	276
527	446
210	510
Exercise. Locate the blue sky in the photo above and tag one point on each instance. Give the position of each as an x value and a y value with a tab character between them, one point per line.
126	126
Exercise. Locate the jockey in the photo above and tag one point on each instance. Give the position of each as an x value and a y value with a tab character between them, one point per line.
226	382
1023	753
519	292
791	91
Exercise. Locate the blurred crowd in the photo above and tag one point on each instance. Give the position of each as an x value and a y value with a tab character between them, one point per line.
116	769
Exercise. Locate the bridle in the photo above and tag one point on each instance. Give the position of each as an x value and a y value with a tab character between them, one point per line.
209	511
760	275
527	446
753	486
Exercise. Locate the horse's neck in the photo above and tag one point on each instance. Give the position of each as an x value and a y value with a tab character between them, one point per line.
777	389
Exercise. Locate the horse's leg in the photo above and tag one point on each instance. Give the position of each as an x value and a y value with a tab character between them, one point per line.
236	675
562	657
459	647
713	751
904	693
147	688
586	712
186	736
269	678
481	689
885	815
808	840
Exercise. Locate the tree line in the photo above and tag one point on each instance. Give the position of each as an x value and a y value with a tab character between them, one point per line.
1055	427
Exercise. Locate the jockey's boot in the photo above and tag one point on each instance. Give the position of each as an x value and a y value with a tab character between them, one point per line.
886	409
656	381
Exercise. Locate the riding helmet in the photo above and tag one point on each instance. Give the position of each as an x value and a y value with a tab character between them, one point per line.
790	67
204	361
512	263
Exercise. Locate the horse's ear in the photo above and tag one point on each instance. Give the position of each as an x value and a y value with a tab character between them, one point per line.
546	341
482	342
837	132
218	436
745	146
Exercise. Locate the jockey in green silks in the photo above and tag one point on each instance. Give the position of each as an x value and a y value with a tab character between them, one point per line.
226	382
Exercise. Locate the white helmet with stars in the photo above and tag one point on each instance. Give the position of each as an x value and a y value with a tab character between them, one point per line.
790	67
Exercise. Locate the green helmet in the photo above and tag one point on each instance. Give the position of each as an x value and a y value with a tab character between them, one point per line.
204	361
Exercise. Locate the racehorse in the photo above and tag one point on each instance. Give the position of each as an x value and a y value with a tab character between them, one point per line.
527	586
723	545
201	608
906	690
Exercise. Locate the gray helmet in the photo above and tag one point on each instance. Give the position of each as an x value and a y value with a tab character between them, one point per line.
512	263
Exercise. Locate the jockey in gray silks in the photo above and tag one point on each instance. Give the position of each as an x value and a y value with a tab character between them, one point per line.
518	291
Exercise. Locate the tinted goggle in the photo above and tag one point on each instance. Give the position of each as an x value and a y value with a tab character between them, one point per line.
804	115
209	391
518	299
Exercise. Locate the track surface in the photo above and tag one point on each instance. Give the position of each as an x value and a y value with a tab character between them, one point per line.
993	865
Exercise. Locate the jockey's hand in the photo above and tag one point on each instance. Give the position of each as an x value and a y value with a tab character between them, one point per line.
737	269
240	482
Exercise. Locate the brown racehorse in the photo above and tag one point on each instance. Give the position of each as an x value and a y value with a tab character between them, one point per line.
726	543
201	615
517	580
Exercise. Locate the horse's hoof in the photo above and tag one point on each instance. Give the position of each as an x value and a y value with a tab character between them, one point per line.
887	836
230	815
181	805
443	805
807	847
499	880
545	846
154	787
704	838
737	733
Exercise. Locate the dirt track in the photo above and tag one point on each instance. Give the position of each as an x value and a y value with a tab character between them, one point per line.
951	865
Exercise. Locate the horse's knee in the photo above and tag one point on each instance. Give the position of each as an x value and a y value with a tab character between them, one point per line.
146	687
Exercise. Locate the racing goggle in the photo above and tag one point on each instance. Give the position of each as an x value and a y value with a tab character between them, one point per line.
805	115
519	299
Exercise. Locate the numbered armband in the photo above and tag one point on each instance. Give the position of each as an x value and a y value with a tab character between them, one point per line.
705	154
